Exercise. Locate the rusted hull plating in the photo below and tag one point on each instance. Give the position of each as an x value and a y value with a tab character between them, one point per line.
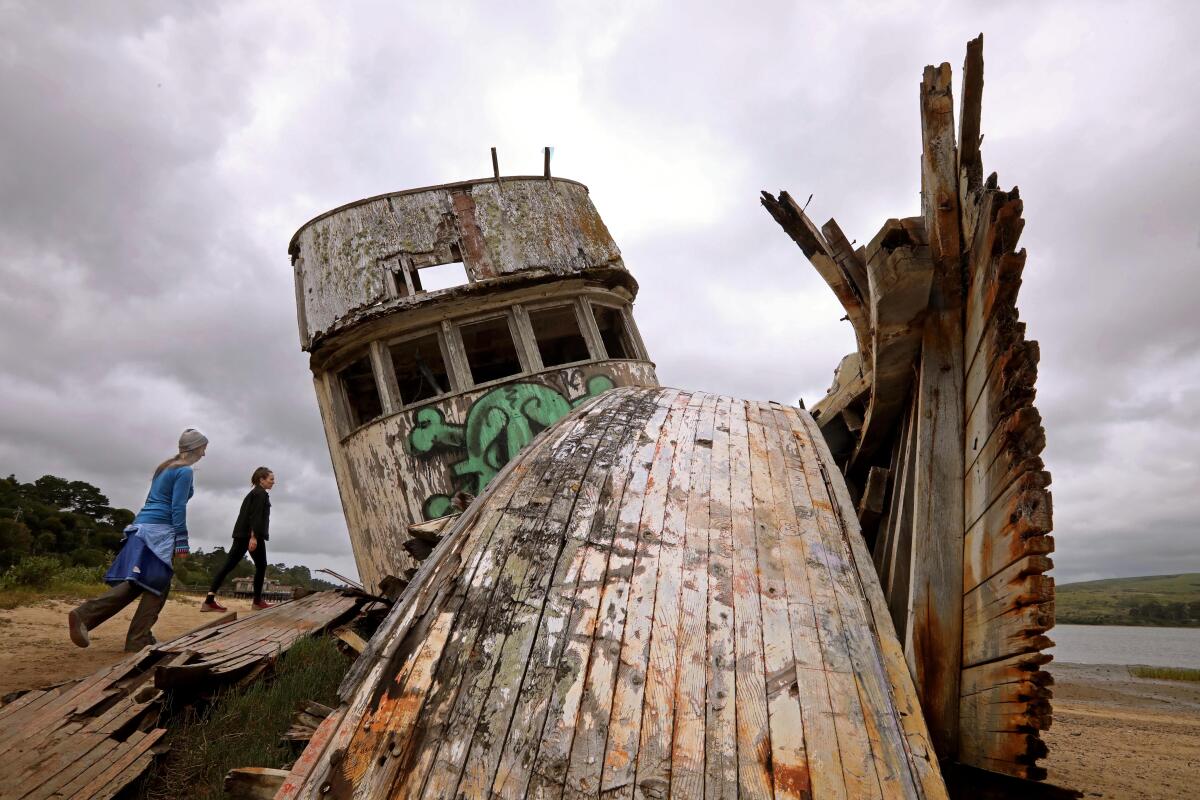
666	594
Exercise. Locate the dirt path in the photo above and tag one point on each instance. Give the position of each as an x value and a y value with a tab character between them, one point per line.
1115	736
35	650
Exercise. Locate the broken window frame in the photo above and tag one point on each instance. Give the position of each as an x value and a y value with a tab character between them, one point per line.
348	417
580	321
520	345
633	339
443	349
402	276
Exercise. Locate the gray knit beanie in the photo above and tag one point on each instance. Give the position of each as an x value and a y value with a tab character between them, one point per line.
191	439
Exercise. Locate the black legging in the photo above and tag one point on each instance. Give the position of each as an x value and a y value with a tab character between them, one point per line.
239	549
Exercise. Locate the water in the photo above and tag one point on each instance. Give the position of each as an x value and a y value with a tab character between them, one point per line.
1123	644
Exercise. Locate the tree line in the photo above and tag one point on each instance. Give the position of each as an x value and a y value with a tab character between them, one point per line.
72	523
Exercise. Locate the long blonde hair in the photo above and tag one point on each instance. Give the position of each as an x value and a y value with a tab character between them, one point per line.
181	459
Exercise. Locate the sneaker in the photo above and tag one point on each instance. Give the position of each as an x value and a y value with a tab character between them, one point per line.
261	604
79	631
212	605
136	647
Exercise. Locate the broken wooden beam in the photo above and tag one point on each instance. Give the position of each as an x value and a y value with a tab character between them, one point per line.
796	224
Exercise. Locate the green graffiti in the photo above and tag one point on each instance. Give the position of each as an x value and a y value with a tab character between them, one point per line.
498	425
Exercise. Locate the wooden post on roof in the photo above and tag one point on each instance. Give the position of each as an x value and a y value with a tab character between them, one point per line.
932	644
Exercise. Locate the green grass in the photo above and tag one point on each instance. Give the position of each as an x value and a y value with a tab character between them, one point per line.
62	590
241	728
38	578
1166	673
1159	600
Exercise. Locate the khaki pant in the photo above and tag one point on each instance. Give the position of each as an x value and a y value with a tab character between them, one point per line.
99	609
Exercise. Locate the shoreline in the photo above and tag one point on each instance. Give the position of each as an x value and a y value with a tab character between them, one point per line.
1117	736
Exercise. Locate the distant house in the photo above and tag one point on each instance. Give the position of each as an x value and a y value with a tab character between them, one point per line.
272	589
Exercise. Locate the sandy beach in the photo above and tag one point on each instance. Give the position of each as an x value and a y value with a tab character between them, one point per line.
35	650
1116	736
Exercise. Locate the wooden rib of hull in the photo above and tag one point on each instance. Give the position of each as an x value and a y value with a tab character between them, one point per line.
665	595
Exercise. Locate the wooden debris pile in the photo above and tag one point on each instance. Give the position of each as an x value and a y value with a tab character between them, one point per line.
932	422
92	737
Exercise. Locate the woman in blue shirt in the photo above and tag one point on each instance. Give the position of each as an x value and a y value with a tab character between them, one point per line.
143	567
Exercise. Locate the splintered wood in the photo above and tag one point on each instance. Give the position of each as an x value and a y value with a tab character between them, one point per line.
664	595
92	737
932	422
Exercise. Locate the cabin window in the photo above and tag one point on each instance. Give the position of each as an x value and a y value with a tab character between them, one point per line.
558	337
613	331
491	353
420	369
440	276
362	395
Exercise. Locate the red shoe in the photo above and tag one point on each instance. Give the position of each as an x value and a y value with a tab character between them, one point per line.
261	604
212	605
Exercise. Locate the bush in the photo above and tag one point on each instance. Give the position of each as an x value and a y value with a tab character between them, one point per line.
83	574
34	572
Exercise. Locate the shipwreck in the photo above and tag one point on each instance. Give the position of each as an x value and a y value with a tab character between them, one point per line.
607	588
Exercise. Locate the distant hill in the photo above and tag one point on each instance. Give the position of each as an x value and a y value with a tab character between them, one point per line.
1160	600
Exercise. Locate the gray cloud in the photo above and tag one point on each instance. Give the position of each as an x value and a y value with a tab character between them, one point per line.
157	162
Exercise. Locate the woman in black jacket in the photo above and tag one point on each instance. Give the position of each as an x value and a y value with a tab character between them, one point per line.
250	534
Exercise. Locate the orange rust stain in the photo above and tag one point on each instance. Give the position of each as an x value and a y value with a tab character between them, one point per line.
791	780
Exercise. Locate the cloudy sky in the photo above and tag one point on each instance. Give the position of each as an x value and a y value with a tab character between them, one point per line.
156	159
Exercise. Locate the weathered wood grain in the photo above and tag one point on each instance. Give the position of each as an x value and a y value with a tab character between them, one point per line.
916	743
692	622
1005	614
750	685
655	444
901	274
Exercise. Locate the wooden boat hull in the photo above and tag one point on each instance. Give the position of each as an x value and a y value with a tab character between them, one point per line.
665	594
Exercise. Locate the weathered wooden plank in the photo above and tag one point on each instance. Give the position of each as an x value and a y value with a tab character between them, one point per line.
901	275
479	567
720	729
789	760
622	748
1012	452
1014	526
851	381
818	637
654	763
994	266
939	168
1009	388
935	620
124	770
522	572
1017	669
595	706
1004	704
867	734
922	760
899	573
1007	613
750	689
970	165
844	254
254	783
1003	333
543	717
687	772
